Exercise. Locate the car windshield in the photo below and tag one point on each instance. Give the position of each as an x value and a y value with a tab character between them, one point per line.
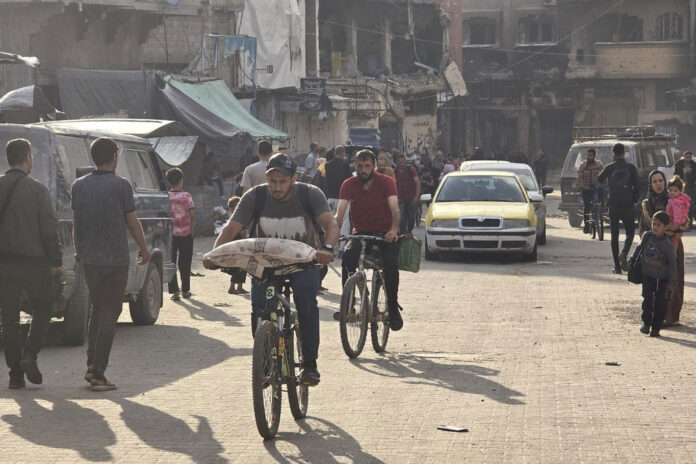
525	175
481	188
577	155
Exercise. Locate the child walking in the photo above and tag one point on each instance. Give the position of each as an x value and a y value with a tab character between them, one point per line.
238	276
678	209
659	269
182	232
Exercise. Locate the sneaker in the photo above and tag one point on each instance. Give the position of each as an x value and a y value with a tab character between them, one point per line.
310	375
16	380
395	320
645	329
623	261
101	385
31	368
586	229
655	333
616	271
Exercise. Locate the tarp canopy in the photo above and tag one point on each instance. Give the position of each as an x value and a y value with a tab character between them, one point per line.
216	113
26	98
95	93
174	151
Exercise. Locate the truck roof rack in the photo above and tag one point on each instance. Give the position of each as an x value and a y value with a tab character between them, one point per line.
584	134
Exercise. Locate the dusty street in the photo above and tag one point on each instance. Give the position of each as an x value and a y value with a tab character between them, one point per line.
514	352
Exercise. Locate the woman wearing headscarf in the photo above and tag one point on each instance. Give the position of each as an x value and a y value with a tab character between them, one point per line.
657	201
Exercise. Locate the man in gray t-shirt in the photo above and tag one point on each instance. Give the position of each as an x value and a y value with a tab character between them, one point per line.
103	213
286	209
255	174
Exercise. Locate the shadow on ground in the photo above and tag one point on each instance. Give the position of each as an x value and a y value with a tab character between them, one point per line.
320	441
141	361
427	370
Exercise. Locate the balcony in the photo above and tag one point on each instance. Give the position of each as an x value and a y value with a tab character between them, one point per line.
640	60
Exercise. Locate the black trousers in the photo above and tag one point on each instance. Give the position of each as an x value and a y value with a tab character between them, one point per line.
106	285
627	216
408	216
587	197
654	301
182	247
390	262
36	281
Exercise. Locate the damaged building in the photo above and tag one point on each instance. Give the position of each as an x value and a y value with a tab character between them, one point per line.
371	66
536	68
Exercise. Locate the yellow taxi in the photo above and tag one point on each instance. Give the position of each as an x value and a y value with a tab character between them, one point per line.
480	211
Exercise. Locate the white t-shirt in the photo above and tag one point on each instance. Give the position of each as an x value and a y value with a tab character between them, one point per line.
310	165
254	174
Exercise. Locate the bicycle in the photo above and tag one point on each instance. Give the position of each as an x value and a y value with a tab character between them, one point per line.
359	308
595	220
277	354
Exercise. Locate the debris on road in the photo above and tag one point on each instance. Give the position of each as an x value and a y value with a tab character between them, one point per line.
222	305
612	363
452	428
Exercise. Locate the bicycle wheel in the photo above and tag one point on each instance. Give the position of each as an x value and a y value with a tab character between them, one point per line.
298	394
265	380
380	313
353	321
600	222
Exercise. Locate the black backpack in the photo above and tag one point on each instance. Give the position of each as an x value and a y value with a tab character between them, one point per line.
621	186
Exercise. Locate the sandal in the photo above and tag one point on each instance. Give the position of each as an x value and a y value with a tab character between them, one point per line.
88	375
186	295
102	385
175	297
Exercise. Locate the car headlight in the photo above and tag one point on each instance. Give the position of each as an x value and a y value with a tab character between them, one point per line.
445	223
515	223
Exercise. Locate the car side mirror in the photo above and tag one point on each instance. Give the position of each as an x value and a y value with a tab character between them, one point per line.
426	198
83	171
546	190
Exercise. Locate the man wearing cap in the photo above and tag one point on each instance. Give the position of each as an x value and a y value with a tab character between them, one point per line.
285	208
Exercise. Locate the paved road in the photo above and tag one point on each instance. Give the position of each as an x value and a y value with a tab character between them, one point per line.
514	352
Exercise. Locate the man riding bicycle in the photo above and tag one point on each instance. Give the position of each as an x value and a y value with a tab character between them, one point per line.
374	209
285	208
587	178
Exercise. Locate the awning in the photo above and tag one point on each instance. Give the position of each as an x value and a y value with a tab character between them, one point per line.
174	151
26	98
216	113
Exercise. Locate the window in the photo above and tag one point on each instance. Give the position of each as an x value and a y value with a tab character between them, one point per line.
647	159
670	27
141	174
72	154
482	32
536	30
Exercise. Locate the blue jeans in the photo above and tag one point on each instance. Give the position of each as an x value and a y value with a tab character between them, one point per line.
305	285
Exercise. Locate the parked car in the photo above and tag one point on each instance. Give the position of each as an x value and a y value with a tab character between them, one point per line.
61	154
536	192
647	152
480	211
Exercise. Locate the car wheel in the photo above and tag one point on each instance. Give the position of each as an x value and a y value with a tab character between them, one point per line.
575	220
430	255
542	238
145	309
532	257
77	309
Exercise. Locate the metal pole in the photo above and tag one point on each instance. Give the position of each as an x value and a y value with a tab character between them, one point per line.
166	44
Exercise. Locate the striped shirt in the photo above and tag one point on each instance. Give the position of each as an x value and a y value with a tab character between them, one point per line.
588	173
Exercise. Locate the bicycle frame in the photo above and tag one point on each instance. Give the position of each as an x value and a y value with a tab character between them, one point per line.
361	270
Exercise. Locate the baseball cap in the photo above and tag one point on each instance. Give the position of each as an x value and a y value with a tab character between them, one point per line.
282	163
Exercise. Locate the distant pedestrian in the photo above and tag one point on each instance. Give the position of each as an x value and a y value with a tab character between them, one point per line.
408	188
623	195
478	155
210	173
30	256
659	270
384	166
184	225
255	174
311	162
541	167
103	209
238	276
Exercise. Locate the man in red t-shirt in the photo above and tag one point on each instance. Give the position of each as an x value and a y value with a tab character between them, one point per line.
408	186
374	210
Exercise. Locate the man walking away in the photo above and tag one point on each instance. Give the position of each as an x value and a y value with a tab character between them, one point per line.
541	167
30	254
408	186
588	172
103	208
337	171
623	195
255	174
311	161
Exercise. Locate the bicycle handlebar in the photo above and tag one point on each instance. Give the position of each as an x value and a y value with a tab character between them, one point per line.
378	238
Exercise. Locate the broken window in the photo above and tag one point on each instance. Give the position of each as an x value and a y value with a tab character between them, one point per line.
535	30
670	27
619	28
482	32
